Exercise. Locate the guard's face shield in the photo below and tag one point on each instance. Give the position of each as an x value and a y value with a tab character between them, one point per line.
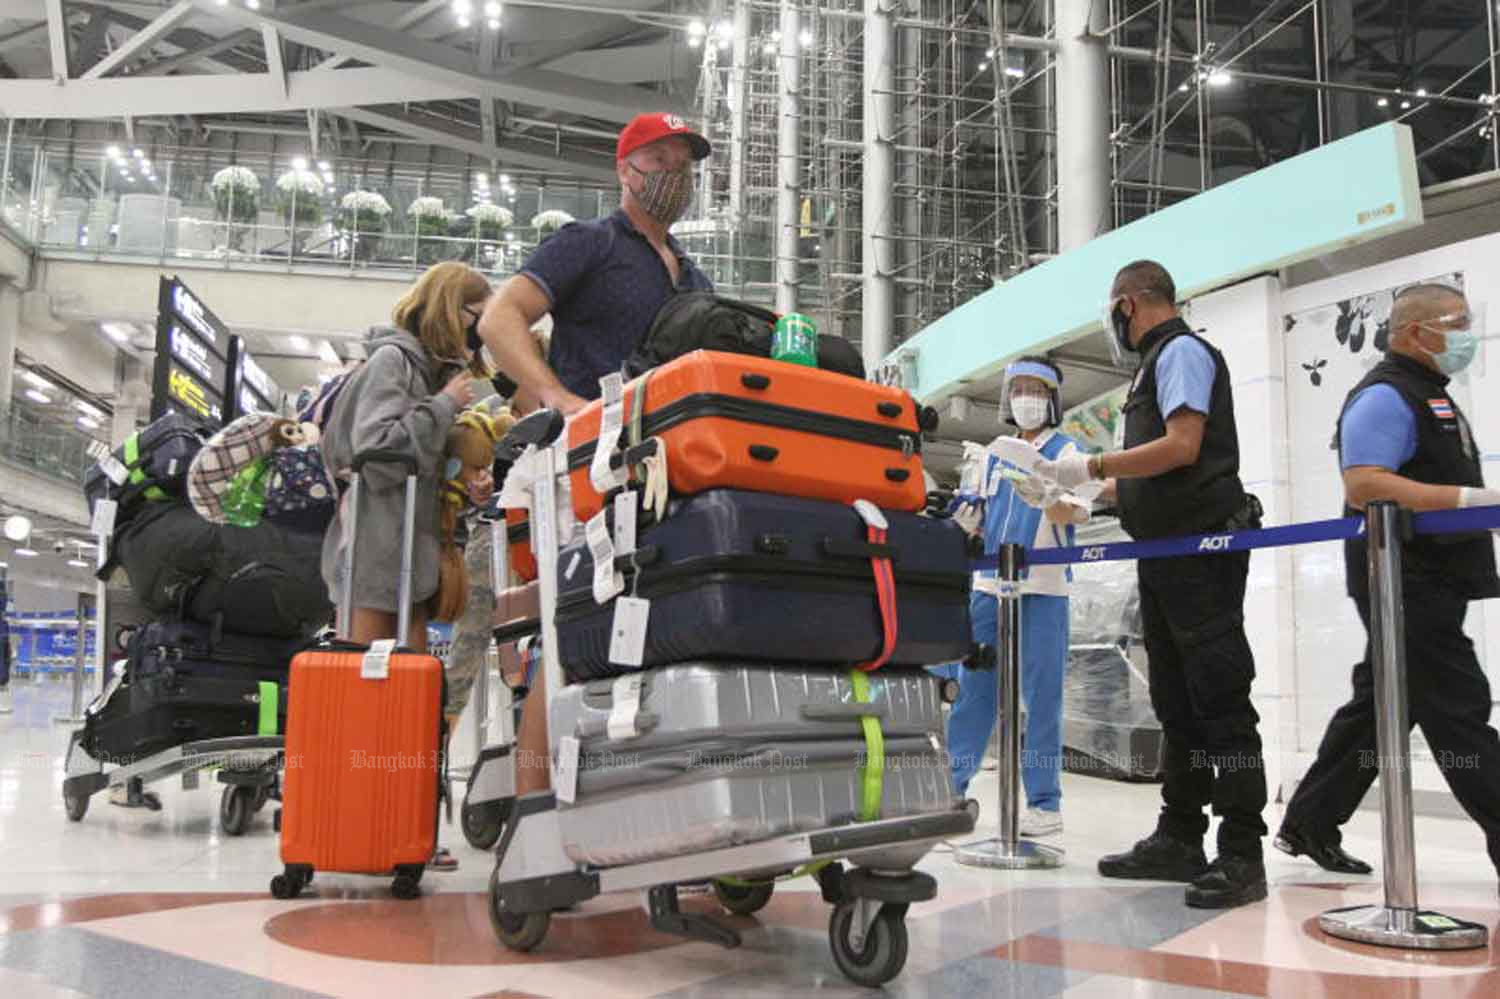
1030	380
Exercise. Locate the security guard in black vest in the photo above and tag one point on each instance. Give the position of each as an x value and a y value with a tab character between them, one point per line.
1403	438
1179	474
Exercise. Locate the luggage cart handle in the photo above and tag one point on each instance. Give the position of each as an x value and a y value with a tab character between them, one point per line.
384	456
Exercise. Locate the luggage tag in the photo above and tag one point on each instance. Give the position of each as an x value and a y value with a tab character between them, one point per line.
566	778
626	693
376	664
611	426
607	582
625	522
627	630
104	519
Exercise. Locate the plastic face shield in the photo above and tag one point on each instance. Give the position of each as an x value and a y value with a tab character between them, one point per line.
1474	320
1028	369
1124	358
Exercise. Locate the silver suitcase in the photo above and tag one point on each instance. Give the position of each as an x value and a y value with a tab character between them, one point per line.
715	755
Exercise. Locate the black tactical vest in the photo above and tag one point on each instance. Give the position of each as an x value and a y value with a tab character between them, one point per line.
1202	496
1462	564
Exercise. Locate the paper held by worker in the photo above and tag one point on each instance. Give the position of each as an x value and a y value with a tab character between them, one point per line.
1024	458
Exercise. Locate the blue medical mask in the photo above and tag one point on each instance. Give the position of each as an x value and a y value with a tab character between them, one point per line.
1460	349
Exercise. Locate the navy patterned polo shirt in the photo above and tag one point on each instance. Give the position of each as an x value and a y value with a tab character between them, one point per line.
605	283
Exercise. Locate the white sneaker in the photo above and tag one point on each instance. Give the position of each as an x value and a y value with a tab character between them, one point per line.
1036	822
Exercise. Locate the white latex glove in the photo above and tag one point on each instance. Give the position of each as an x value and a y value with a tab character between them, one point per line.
969	516
1470	497
1038	492
1069	472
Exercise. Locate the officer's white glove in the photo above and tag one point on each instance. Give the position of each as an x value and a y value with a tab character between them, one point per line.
1468	496
1069	472
969	516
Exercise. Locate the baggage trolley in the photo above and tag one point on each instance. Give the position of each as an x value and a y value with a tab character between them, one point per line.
534	877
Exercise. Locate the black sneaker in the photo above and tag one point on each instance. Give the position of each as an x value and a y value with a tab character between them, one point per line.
1330	856
1229	882
1158	857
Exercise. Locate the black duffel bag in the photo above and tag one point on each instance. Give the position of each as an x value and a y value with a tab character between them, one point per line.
701	320
264	580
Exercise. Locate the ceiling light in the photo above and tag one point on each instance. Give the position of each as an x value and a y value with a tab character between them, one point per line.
299	163
775	36
78	563
806	38
113	152
327	354
87	410
769	48
17	527
1220	78
253	4
463	21
694	41
505	179
298	342
697	27
1015	71
724	29
26	552
88	423
462	7
1421	92
223	3
482	179
38	381
137	154
118	332
146	165
492	8
989	53
983	66
36	396
1383	102
1405	105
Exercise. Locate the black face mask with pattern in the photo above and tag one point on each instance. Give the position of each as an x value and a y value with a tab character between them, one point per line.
666	194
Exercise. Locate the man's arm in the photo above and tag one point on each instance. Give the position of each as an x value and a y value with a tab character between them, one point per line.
1177	449
1370	483
505	328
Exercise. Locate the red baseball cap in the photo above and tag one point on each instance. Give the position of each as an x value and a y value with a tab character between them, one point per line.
648	128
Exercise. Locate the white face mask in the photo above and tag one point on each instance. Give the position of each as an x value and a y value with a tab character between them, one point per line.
1030	412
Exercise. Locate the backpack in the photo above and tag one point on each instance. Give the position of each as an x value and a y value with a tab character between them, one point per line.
702	320
320	409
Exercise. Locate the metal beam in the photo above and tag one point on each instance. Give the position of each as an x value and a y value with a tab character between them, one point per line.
441	64
410	19
583	165
202	53
141	42
115	97
57	36
21	36
275	64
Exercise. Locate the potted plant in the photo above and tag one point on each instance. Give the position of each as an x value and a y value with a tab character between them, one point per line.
485	224
548	222
362	218
299	198
236	193
430	221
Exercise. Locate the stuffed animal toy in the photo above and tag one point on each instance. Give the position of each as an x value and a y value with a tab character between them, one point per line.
226	482
469	454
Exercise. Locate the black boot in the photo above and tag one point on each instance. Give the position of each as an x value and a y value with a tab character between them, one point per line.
1158	857
1230	881
1330	856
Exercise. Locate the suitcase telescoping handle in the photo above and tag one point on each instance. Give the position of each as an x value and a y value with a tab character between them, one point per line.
382	456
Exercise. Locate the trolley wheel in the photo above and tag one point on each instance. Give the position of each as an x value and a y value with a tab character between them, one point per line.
76	805
743	900
151	800
883	954
408	882
517	931
262	795
482	824
236	809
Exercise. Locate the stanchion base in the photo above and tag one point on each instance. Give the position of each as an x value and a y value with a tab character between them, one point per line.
1384	927
1023	854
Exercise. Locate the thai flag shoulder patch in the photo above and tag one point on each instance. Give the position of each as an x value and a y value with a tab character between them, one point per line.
1441	408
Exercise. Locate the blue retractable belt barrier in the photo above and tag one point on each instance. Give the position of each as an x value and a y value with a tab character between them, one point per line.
1340	529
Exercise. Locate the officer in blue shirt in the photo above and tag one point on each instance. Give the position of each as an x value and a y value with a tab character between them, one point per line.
603	281
1179	474
1402	437
1007	513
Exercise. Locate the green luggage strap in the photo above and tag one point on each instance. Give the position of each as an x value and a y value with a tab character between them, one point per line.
132	448
270	708
873	772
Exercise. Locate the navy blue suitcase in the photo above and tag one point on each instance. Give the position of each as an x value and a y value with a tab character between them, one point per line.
738	576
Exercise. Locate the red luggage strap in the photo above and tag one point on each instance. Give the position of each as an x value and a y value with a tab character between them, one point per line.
876	530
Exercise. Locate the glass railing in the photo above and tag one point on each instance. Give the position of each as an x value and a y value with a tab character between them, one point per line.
45	445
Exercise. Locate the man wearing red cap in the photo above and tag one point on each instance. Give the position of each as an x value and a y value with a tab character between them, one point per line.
603	281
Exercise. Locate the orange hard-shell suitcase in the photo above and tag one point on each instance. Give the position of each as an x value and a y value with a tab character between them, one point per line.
518	538
363	745
743	422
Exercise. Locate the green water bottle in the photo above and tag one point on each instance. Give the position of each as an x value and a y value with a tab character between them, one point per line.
795	340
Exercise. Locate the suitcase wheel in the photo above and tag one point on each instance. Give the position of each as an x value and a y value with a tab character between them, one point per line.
408	882
483	823
879	953
517	931
743	900
76	805
290	883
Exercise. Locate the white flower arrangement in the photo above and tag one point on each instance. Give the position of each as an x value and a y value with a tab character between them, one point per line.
429	208
551	220
492	215
365	201
235	178
301	181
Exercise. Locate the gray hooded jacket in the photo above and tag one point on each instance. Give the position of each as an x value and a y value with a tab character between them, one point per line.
394	401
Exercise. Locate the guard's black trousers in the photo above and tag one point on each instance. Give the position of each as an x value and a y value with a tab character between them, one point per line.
1449	697
1192	613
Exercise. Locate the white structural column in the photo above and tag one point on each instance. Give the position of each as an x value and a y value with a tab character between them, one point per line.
878	309
1084	208
10	330
788	156
739	96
